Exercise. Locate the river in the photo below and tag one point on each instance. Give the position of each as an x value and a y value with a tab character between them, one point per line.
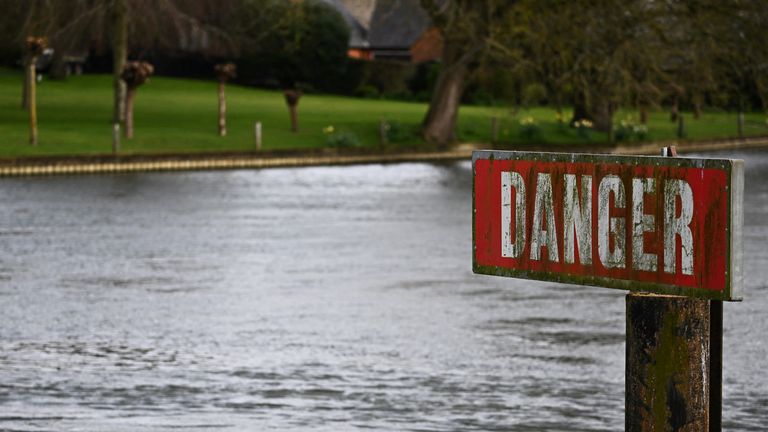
313	299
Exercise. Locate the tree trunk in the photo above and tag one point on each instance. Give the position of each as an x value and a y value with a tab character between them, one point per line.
697	102
440	122
643	115
32	100
602	116
222	110
119	57
580	110
292	97
599	111
674	110
294	118
130	95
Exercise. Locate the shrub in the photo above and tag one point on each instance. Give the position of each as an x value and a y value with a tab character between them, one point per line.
398	133
367	91
529	129
627	130
341	139
583	128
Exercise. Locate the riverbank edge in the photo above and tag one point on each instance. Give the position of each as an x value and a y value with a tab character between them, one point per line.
101	164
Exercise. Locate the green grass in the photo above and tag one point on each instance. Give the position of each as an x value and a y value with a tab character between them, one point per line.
178	115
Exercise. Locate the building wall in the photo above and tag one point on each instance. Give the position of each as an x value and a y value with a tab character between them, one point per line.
428	47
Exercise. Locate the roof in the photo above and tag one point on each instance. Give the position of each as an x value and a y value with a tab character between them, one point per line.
397	23
384	24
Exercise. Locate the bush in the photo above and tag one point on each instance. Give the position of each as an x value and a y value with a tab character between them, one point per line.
529	129
583	128
398	133
627	130
367	91
342	140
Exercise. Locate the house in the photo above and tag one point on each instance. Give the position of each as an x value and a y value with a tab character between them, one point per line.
395	30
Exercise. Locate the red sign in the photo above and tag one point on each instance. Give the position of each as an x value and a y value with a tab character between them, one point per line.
655	224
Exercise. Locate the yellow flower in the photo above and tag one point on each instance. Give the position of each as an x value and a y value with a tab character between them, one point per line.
328	130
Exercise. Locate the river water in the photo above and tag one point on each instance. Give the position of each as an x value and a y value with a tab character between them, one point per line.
313	299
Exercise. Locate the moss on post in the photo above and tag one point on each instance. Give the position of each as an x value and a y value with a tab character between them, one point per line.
668	363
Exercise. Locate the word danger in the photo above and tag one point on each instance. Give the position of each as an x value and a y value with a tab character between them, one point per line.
578	229
664	225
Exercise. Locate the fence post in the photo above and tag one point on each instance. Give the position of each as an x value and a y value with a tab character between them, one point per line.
257	135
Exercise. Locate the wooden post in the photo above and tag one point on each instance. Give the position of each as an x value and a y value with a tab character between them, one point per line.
383	133
257	134
667	364
32	100
115	138
673	361
222	109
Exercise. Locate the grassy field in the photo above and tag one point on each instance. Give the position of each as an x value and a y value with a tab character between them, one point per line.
177	115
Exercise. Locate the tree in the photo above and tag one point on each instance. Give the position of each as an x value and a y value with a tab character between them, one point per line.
119	18
299	43
224	73
35	47
468	28
135	73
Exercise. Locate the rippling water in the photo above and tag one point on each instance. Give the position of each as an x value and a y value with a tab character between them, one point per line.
312	299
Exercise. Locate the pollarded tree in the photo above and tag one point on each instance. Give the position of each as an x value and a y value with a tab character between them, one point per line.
135	73
35	47
224	73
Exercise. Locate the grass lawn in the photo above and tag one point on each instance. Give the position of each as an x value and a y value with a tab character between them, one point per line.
178	115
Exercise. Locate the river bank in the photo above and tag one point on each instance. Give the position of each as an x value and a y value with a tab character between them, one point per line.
99	164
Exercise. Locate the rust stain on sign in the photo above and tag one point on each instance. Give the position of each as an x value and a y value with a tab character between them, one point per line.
653	224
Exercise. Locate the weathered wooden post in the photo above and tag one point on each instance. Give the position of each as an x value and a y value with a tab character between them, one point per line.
257	134
115	138
383	133
667	363
667	229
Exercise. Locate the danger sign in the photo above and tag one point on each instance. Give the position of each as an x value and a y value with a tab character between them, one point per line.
655	224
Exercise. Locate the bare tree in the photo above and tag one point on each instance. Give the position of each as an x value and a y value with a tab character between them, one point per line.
135	73
224	72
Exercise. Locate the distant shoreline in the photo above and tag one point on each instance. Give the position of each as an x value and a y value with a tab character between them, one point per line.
103	164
